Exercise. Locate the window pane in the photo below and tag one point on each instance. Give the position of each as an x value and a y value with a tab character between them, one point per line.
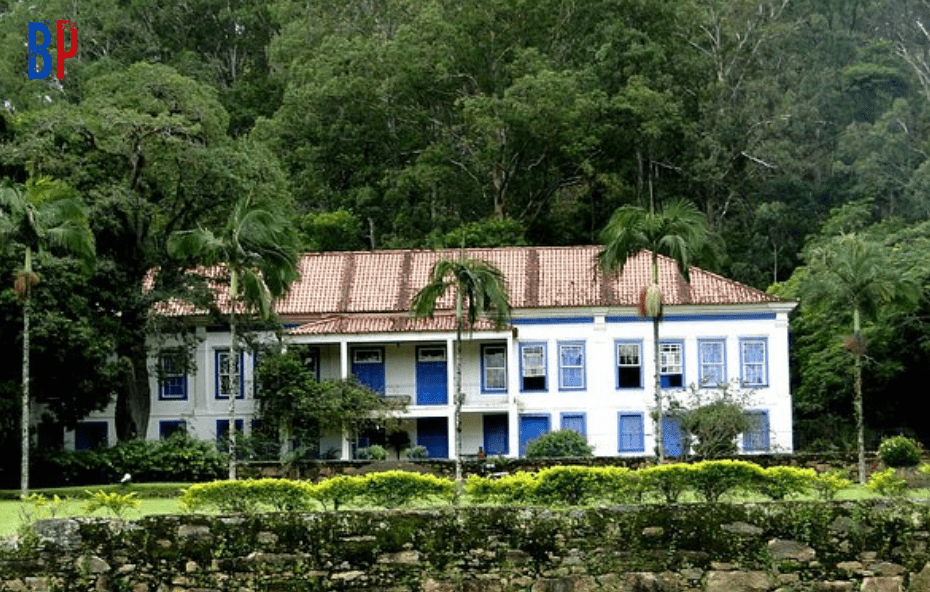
712	375
753	352
628	354
571	355
712	353
495	368
670	365
533	364
495	378
670	358
630	378
494	358
753	362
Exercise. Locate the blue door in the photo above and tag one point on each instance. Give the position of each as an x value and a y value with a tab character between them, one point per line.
532	427
433	434
368	367
432	377
671	436
496	434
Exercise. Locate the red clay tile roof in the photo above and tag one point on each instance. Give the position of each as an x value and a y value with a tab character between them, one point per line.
337	286
357	324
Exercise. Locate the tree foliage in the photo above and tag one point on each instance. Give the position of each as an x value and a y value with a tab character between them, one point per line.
559	444
302	409
482	123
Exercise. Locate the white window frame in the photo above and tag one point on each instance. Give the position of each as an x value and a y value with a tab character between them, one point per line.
755	367
534	370
672	357
168	370
706	368
221	375
621	364
488	351
564	347
367	355
432	353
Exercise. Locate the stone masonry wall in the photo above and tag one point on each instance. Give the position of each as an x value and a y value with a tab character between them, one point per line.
788	547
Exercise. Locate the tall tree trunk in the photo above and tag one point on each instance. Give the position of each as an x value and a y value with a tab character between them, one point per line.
234	392
134	400
660	438
233	373
24	464
459	314
660	416
857	393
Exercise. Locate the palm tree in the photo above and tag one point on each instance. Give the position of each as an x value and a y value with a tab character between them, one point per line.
679	231
850	272
480	290
40	215
258	251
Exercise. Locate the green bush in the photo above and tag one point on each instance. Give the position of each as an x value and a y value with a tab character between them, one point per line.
829	483
393	489
617	485
250	495
178	458
114	502
712	478
716	426
416	452
887	483
518	488
781	482
622	485
569	486
373	452
899	451
560	444
338	491
669	481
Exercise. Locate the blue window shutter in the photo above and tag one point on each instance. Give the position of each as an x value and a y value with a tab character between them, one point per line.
630	432
574	421
756	439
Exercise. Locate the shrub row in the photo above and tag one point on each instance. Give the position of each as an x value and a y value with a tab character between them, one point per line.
709	480
389	489
554	486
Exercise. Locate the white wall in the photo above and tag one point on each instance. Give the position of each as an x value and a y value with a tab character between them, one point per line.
600	399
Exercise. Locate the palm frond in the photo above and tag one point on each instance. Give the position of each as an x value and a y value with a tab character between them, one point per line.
482	285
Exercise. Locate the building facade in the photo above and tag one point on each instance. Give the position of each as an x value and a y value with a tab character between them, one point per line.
575	355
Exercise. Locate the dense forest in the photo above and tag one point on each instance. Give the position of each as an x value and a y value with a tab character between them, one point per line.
428	123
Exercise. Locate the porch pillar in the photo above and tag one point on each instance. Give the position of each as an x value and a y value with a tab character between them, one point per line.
346	453
513	388
450	396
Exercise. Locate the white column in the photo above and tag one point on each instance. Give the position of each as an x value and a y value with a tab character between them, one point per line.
513	387
450	376
344	360
344	374
450	401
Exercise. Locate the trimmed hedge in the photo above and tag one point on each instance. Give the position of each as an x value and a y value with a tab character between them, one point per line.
554	486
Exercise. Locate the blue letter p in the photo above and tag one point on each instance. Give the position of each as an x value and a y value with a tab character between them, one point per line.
35	50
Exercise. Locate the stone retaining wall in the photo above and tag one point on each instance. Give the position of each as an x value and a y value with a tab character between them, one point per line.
868	547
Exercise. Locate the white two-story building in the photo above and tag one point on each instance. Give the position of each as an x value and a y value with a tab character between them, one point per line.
575	355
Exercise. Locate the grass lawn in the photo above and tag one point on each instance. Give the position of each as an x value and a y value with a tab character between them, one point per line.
156	498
